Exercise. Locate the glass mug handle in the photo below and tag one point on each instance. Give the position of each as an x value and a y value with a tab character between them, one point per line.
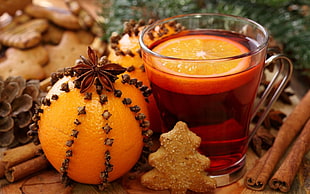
285	69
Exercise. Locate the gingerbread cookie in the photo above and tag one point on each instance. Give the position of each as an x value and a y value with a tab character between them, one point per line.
52	35
178	165
85	20
74	6
25	35
26	63
65	53
10	22
99	46
61	17
85	37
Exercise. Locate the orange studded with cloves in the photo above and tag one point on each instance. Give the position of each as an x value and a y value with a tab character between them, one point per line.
125	50
93	126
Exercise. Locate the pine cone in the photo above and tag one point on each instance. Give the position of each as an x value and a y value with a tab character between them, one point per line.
18	98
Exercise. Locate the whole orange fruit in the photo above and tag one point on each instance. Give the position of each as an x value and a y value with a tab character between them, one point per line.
91	124
125	50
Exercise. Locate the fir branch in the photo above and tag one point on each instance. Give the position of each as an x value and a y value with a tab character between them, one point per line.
286	21
118	11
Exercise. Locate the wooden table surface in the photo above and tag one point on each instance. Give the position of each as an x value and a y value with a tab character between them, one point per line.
48	181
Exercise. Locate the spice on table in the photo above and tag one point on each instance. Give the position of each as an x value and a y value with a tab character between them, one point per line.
257	178
26	168
284	176
274	118
285	97
20	154
285	94
22	161
262	141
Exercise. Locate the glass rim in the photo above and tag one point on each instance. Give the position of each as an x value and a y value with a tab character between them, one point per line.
162	21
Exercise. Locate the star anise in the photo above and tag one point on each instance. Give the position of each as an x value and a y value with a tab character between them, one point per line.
92	69
274	118
262	141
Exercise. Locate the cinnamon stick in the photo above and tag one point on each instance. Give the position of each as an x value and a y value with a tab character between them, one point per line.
255	172
20	154
287	132
26	168
285	175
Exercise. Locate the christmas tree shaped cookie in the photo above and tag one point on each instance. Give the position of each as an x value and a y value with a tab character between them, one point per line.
178	165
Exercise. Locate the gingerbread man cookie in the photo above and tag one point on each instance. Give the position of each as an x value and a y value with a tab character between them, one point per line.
26	63
178	165
65	53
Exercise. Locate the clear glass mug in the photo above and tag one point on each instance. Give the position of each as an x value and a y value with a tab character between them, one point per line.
219	108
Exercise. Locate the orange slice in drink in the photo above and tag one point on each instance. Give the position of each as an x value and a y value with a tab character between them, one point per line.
202	55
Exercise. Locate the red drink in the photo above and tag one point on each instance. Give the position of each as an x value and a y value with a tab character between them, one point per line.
205	70
217	108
